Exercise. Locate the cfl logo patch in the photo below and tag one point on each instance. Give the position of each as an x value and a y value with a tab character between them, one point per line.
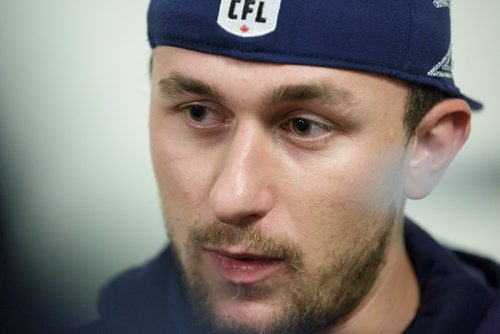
249	18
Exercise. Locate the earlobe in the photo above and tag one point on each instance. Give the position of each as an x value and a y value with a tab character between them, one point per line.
438	138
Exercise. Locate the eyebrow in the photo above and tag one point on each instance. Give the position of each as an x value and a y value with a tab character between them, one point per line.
177	84
302	92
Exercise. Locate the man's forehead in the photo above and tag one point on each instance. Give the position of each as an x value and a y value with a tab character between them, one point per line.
167	60
174	67
177	84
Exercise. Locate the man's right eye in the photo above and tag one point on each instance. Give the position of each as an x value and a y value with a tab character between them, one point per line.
197	113
200	116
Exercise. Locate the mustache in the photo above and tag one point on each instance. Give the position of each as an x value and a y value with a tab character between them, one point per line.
219	234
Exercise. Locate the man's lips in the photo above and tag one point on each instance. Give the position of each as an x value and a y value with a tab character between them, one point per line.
241	266
242	254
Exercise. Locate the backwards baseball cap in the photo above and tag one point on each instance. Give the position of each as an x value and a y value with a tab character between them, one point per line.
404	39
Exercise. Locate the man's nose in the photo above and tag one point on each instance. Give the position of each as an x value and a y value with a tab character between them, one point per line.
241	192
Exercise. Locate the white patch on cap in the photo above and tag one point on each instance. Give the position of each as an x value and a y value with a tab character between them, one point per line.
443	69
441	3
249	18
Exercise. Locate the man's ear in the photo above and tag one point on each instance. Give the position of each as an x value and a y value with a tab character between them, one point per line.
438	138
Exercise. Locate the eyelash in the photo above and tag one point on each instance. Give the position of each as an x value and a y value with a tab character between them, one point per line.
223	118
216	116
314	126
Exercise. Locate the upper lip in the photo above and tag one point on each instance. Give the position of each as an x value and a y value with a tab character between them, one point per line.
242	254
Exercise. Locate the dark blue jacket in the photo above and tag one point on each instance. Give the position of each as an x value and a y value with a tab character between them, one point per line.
460	293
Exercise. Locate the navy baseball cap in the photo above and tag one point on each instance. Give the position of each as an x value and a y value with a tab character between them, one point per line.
405	39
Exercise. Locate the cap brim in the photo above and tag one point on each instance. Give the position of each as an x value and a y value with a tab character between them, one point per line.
474	104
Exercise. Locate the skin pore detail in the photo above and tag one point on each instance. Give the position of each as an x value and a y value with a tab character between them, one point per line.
283	197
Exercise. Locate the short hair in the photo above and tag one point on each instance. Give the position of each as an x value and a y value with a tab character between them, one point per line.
419	101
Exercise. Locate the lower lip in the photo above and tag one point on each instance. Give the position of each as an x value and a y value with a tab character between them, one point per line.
240	271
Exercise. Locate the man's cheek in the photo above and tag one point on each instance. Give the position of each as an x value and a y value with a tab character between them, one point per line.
182	184
374	185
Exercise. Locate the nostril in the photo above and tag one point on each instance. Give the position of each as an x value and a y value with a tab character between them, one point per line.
249	219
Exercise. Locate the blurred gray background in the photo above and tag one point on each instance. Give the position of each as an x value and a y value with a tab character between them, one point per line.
73	139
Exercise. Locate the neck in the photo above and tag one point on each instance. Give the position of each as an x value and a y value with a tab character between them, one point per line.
394	299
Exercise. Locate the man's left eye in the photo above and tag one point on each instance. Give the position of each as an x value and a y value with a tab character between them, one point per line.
307	128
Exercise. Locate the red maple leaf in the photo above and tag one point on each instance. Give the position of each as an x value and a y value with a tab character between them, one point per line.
244	28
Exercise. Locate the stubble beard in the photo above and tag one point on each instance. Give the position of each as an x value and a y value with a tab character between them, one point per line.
309	303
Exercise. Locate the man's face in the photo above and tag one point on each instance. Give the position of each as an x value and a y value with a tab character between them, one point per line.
280	185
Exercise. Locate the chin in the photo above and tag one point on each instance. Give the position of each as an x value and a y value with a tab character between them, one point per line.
245	307
244	316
